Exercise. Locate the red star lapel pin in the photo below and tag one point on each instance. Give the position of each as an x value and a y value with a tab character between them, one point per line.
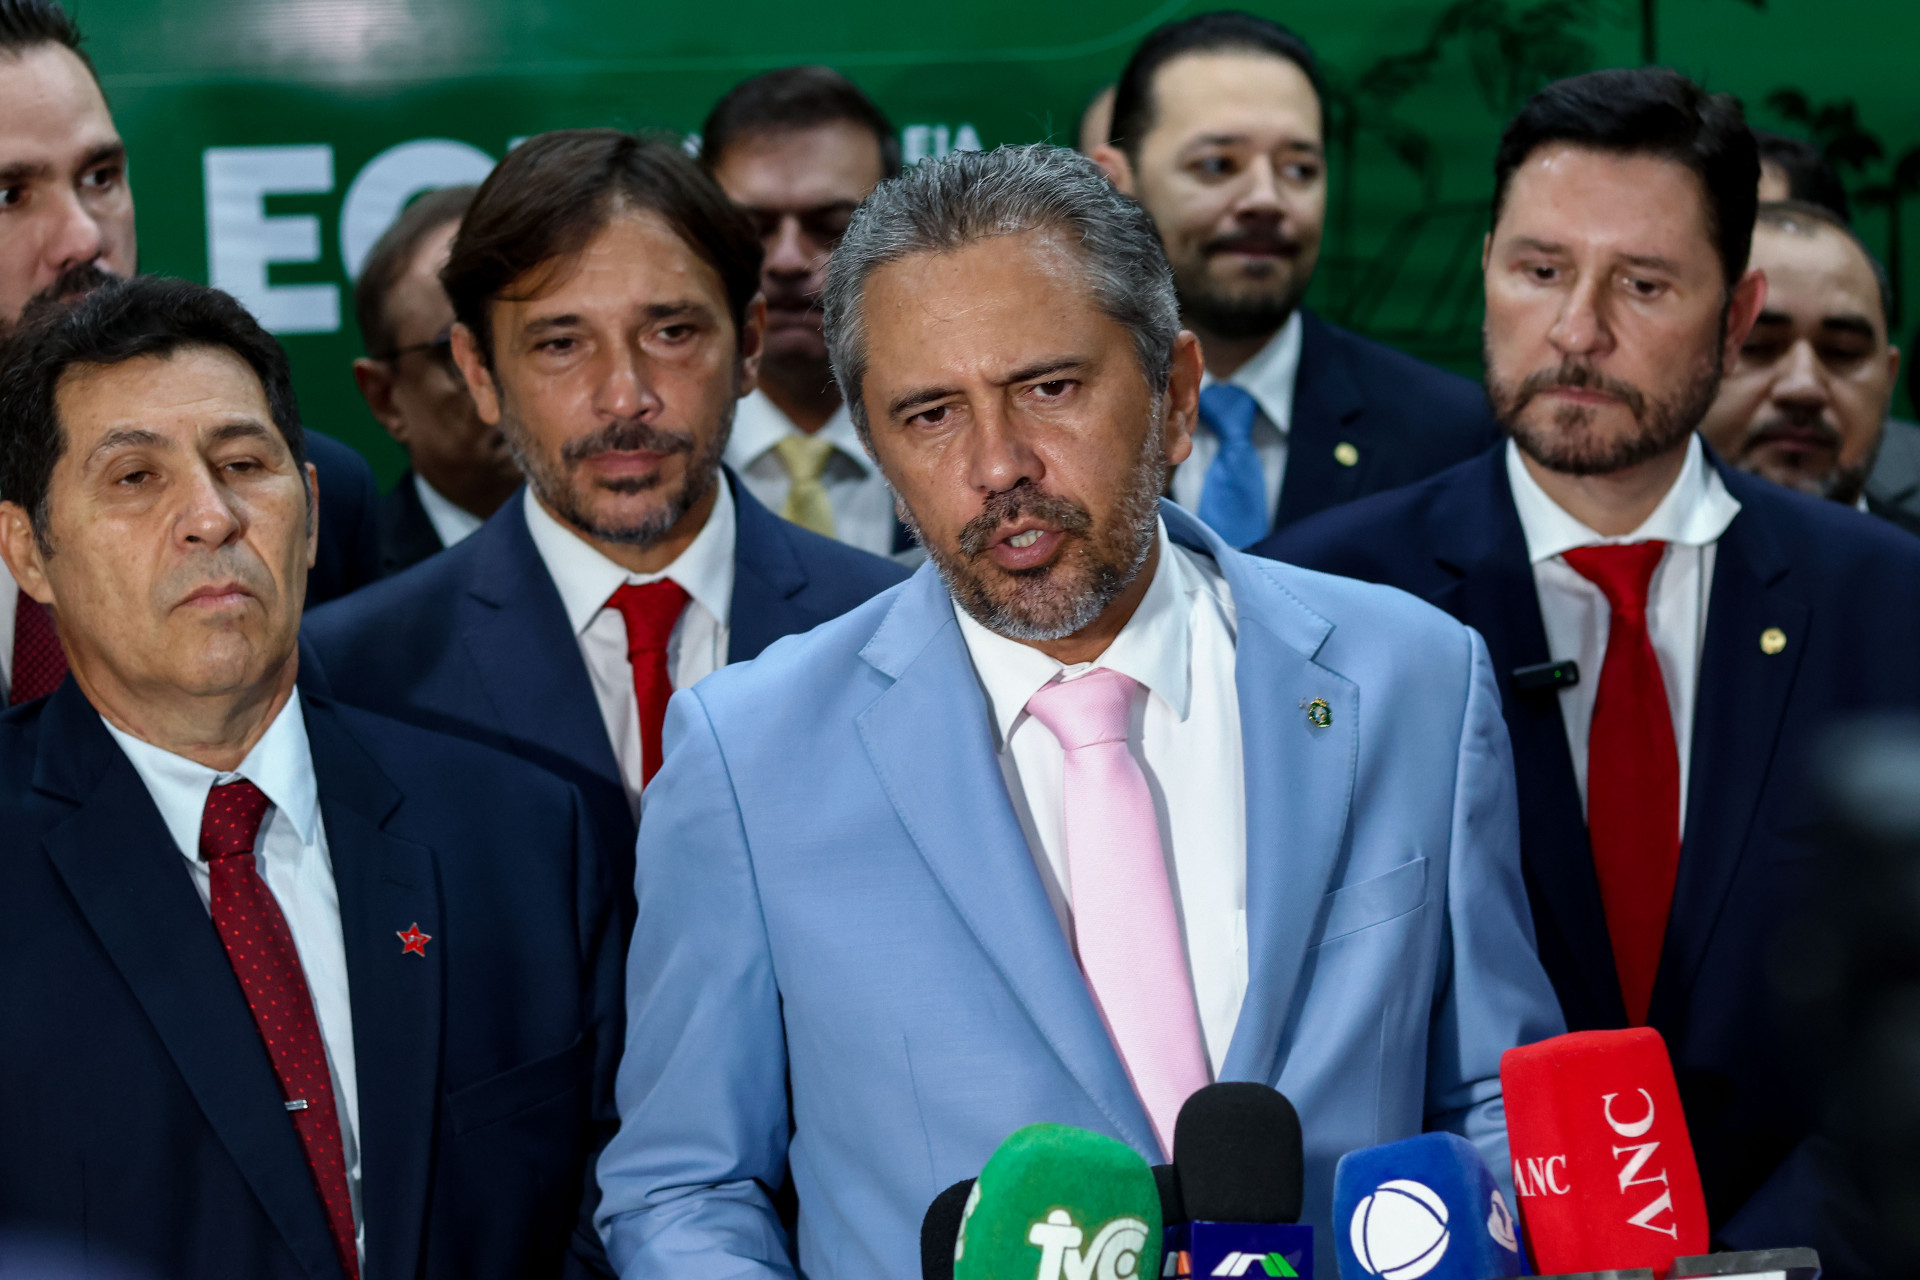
414	941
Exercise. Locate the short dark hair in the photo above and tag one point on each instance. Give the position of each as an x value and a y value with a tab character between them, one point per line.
1648	111
390	257
1223	31
1786	214
121	320
555	192
795	98
1810	177
28	24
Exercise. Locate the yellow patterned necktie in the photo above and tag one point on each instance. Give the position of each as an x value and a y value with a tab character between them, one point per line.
805	458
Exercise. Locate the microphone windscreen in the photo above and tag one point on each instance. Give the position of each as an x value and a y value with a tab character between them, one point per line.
1602	1162
1237	1147
1422	1206
1057	1202
1173	1207
940	1230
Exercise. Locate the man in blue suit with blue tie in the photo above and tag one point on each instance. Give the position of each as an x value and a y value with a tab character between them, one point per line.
609	319
1089	812
1219	130
293	991
1672	636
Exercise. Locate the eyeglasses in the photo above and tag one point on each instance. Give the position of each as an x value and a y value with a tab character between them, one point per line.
441	349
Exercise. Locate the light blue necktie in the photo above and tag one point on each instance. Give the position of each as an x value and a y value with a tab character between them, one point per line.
1233	501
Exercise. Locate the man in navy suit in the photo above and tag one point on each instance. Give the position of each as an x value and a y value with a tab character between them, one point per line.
1218	130
608	320
70	226
1672	635
294	991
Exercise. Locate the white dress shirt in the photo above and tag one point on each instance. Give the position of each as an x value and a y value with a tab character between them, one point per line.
1269	378
696	649
1179	646
861	498
291	855
9	598
449	519
1690	520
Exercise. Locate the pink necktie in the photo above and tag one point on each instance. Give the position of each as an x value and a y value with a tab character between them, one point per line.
1123	916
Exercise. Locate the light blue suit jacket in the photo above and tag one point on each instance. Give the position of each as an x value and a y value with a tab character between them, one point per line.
846	966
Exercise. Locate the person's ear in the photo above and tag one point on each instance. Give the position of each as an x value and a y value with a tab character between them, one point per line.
476	374
377	381
21	550
1893	375
313	515
753	342
1182	416
1119	168
1743	309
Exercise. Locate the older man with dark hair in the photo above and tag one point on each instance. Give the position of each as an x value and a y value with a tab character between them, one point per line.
293	990
608	318
1093	810
1672	636
460	470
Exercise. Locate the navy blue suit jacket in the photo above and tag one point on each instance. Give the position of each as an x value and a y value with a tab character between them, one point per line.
139	1112
1844	588
475	642
1404	418
349	554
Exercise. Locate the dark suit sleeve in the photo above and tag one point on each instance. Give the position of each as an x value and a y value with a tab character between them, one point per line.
602	963
349	555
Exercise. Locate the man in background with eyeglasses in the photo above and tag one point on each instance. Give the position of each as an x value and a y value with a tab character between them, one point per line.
798	149
459	468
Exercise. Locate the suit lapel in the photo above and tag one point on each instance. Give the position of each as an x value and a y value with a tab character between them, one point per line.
125	873
767	578
1299	787
1737	718
1328	410
1482	553
932	723
386	885
527	657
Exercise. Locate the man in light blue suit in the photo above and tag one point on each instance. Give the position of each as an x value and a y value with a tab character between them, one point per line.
1091	810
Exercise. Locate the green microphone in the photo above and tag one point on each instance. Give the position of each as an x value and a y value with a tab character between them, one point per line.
1059	1203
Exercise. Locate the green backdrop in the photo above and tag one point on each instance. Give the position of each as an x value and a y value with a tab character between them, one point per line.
271	139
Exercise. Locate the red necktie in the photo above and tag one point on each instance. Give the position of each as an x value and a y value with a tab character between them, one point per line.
1633	773
260	948
39	663
650	612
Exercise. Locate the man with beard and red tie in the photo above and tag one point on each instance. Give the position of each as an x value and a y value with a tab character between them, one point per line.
66	226
293	991
608	318
1673	637
1219	131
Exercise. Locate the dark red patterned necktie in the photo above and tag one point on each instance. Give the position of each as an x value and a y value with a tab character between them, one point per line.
39	663
650	612
1633	773
260	948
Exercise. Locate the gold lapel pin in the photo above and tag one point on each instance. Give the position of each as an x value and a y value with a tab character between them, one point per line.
1772	641
1319	714
1345	454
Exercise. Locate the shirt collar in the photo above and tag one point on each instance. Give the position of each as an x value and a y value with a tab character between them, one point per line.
1153	648
1695	511
450	520
1270	376
758	425
280	764
585	578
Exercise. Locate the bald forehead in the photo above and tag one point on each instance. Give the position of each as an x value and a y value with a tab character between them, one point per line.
1815	271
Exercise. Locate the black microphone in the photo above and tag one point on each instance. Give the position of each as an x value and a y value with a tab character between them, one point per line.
940	1230
1240	1172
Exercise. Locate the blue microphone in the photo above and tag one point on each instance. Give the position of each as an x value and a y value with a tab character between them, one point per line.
1422	1207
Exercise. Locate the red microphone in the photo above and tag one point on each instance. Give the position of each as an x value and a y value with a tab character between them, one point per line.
1602	1162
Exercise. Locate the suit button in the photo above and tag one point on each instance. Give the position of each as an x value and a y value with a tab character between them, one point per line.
1345	454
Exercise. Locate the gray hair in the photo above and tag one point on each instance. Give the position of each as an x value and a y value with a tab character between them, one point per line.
940	206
